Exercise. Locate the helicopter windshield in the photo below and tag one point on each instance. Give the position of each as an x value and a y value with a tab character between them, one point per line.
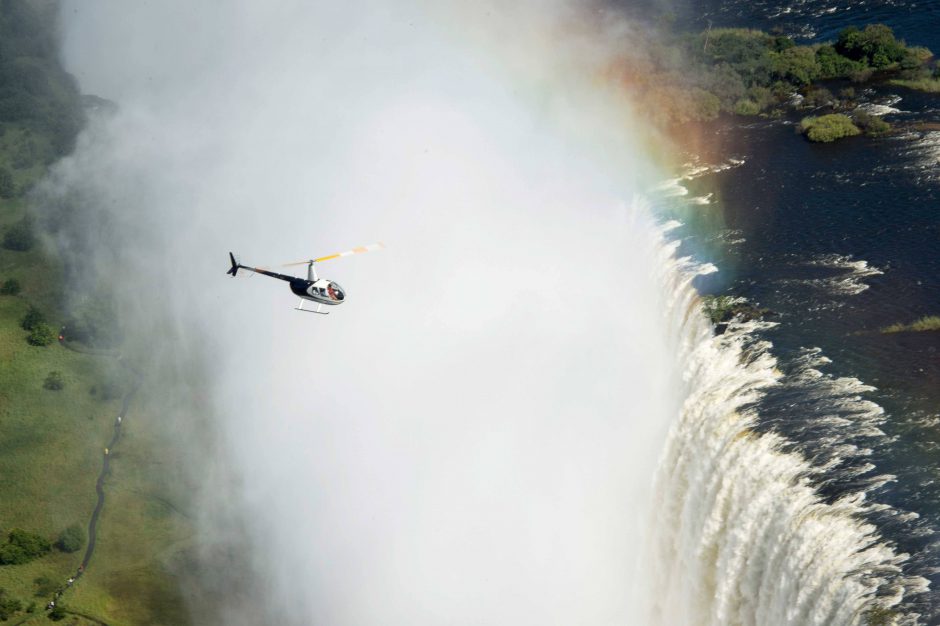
336	292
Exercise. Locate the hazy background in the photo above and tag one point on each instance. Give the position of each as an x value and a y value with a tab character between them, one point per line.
471	437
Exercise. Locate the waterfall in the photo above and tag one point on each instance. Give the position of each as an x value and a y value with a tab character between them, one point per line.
740	535
472	436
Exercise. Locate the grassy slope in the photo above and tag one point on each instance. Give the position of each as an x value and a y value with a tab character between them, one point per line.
51	445
143	530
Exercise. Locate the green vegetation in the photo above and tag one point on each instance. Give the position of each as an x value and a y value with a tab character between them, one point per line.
828	128
924	324
71	539
45	586
20	236
8	606
33	318
694	77
875	46
51	441
930	85
872	125
22	547
41	334
10	287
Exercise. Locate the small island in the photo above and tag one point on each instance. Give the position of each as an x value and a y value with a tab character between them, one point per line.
697	77
928	323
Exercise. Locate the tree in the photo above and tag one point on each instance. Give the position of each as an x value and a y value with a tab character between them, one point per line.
71	539
33	544
57	613
875	46
10	287
22	547
19	237
42	334
54	382
797	65
33	317
834	65
7	188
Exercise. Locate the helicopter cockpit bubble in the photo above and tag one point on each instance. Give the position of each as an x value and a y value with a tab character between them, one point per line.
336	292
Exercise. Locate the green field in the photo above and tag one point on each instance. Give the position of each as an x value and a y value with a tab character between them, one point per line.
51	450
52	440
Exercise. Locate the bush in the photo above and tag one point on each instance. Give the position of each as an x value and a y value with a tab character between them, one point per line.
818	97
33	317
45	586
7	188
8	606
19	237
746	107
71	539
22	547
10	287
42	334
834	65
57	613
797	65
54	382
871	124
762	96
828	128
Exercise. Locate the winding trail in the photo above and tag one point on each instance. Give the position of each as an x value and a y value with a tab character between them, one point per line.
105	469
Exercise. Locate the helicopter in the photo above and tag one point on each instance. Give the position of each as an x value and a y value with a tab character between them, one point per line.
313	288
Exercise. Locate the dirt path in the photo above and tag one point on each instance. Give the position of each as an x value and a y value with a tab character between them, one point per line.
105	471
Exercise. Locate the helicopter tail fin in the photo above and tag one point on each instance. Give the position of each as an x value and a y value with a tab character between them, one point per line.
234	269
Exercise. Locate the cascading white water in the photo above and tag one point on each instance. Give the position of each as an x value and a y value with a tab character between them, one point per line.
741	537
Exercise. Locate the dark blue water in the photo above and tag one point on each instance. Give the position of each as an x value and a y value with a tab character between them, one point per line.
839	241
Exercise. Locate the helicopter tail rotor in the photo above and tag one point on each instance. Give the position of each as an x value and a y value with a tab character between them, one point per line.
234	269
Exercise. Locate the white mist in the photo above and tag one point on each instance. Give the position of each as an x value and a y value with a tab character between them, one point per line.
472	437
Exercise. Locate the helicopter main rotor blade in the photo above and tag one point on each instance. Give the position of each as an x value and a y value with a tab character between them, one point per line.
330	257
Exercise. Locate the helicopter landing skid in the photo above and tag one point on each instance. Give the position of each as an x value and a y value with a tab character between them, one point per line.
300	307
